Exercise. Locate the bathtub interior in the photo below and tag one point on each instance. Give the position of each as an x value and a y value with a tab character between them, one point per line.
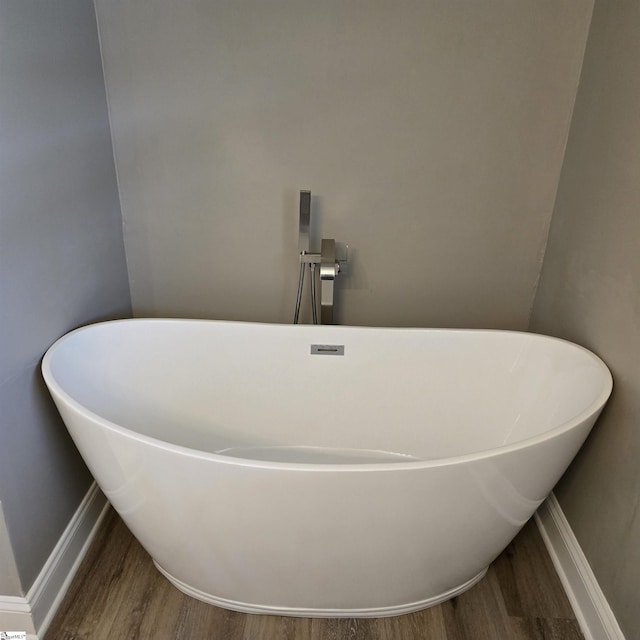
395	395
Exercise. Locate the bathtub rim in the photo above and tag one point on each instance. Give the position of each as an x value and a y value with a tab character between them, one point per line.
592	410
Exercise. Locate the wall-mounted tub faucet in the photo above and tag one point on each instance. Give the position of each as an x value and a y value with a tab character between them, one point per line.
329	266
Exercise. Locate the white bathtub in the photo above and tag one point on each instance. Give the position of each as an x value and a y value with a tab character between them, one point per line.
265	479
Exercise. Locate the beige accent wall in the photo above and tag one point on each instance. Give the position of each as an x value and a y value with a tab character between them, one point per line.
590	293
431	132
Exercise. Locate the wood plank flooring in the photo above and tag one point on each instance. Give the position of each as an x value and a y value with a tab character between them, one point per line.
118	594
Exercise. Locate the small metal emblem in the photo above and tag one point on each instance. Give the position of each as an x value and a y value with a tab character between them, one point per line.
327	349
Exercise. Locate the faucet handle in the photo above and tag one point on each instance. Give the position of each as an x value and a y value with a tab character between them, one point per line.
342	256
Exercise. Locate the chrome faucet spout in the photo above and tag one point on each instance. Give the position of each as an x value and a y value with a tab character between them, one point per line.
328	271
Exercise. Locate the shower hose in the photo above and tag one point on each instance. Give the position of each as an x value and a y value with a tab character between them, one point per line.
314	304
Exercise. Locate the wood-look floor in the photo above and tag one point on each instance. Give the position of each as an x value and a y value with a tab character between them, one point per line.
118	594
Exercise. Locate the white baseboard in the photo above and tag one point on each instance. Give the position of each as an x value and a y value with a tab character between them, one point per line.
15	615
34	612
592	610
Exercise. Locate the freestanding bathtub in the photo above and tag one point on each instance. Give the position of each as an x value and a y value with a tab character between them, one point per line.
323	470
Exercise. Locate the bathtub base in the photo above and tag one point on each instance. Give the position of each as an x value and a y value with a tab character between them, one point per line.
376	612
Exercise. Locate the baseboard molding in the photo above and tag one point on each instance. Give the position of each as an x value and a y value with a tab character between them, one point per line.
34	612
15	615
592	610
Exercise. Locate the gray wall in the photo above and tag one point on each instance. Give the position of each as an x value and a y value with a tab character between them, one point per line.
590	293
9	578
432	133
62	258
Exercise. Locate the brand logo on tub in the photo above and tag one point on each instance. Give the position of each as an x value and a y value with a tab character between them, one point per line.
327	349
